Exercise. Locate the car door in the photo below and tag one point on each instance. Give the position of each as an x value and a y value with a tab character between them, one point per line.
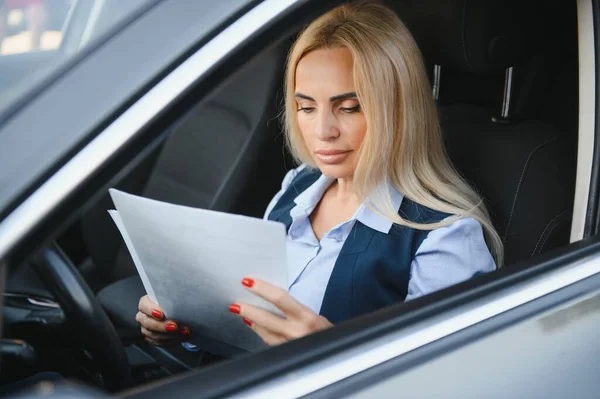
85	156
529	331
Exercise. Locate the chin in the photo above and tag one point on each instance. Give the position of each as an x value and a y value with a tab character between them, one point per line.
336	171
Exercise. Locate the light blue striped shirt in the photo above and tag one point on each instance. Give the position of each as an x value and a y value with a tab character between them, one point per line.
447	256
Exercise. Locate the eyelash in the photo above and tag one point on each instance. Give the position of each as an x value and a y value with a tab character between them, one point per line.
350	110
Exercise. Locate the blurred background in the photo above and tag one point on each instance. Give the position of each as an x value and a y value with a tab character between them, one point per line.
28	25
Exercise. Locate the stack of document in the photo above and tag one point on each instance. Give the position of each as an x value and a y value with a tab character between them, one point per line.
192	261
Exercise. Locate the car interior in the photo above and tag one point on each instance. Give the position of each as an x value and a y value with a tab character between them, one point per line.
505	78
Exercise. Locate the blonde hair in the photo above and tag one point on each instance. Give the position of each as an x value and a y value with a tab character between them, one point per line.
403	144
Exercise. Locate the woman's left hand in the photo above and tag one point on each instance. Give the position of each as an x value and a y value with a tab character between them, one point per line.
274	330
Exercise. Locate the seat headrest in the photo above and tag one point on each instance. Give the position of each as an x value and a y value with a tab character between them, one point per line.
477	36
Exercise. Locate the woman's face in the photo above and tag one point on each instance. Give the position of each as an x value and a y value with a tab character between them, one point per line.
329	116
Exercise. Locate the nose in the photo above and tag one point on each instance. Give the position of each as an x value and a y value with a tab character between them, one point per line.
326	126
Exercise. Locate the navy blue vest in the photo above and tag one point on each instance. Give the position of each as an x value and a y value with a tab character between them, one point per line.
373	268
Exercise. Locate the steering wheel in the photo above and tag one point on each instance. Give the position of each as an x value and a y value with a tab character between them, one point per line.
95	331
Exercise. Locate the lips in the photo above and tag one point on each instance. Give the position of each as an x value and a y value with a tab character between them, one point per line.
331	156
330	152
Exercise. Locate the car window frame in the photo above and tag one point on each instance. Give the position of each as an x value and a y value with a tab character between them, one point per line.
585	220
592	221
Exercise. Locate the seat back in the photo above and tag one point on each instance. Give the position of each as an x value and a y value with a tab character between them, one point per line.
523	167
224	154
525	171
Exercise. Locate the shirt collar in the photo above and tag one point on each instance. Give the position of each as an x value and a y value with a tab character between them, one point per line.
310	197
367	215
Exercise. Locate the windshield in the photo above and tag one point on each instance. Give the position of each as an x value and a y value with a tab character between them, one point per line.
38	36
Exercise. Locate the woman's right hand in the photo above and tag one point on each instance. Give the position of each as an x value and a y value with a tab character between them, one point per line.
155	328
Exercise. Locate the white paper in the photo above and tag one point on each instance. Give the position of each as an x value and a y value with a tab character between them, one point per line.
191	262
136	260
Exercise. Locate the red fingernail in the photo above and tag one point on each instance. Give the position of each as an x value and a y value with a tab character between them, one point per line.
234	308
157	313
171	327
248	282
185	331
248	322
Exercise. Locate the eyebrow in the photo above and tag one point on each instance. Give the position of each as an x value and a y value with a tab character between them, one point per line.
334	98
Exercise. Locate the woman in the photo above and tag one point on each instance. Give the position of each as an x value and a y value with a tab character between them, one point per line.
375	214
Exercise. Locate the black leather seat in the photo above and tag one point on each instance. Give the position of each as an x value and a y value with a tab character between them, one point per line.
224	154
522	165
525	171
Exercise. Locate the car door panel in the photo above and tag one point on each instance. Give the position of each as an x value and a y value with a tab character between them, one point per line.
548	348
369	349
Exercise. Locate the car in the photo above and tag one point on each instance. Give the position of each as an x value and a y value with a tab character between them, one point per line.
177	100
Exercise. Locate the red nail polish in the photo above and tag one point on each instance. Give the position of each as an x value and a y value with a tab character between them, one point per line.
234	308
248	322
157	314
170	327
248	282
185	331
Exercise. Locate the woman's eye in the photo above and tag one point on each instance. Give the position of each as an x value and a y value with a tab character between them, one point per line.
350	110
306	110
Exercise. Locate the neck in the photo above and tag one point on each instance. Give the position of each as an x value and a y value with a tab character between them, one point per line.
344	190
